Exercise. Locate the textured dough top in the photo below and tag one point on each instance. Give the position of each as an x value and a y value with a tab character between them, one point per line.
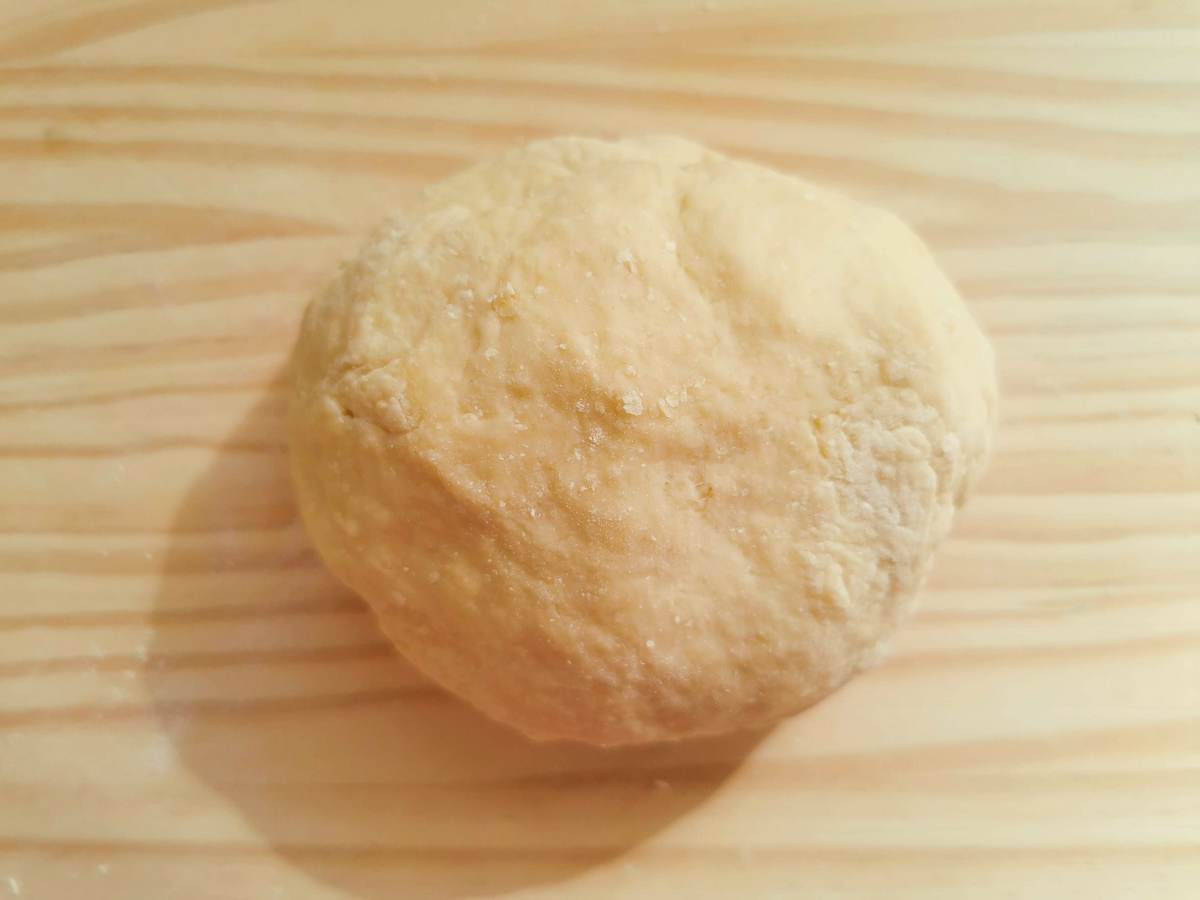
625	441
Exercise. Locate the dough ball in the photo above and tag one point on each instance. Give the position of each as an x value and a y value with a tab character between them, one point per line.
629	441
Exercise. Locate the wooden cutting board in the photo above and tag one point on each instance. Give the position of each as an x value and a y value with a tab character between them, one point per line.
190	708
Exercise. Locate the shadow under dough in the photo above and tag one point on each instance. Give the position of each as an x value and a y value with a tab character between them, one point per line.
278	691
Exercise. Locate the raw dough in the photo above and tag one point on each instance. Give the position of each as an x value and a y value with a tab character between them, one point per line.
626	441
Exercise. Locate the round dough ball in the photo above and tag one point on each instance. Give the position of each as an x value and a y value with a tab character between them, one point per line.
629	441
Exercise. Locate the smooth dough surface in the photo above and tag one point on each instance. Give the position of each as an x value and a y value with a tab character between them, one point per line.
628	441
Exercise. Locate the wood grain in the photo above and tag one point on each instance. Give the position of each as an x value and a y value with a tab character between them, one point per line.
190	707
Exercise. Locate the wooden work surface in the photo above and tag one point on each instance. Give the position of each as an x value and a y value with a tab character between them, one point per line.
190	708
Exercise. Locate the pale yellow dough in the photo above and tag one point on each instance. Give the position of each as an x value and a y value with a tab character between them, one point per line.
629	441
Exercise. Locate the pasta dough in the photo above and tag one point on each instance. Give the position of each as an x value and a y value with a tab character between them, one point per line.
630	441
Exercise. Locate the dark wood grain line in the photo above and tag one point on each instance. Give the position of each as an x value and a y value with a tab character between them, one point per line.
342	605
1144	739
502	82
1148	325
102	398
410	163
418	857
934	79
153	217
99	246
1053	610
100	566
1082	285
71	249
285	550
1062	384
798	773
1078	418
1104	533
920	662
90	26
103	716
153	296
130	227
708	33
190	661
65	562
281	517
337	122
255	339
138	448
1086	140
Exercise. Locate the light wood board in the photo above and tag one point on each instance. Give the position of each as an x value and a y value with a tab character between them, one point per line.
190	708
